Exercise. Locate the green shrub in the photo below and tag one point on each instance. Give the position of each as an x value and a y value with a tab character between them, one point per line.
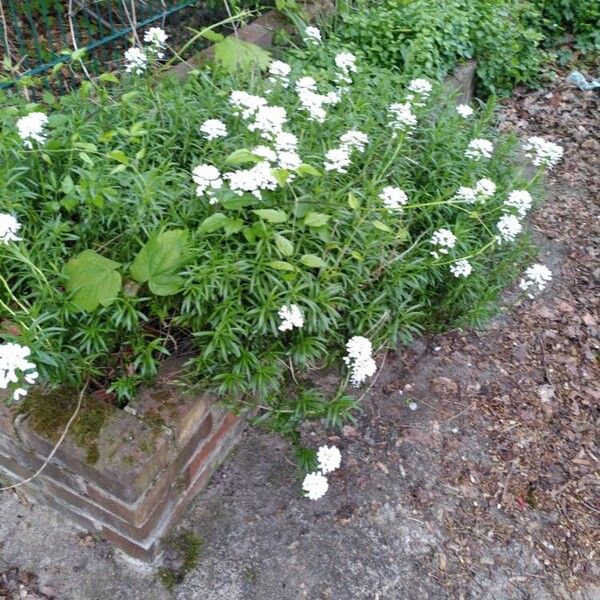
122	264
431	36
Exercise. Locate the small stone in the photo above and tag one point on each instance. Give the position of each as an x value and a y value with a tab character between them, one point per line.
444	385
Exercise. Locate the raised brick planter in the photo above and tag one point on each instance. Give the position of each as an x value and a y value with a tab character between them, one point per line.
147	469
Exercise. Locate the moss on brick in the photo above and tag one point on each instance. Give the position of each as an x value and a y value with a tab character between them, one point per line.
49	412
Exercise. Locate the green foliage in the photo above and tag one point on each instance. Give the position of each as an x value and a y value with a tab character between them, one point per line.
187	546
238	56
579	18
427	38
152	269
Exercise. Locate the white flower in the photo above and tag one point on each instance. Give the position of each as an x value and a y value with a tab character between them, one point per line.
464	110
543	153
291	316
253	181
536	276
479	149
213	129
208	180
136	61
420	86
306	83
31	127
354	140
359	359
466	194
285	141
509	227
269	121
8	229
393	197
157	38
329	458
444	239
315	485
346	63
312	35
338	159
265	153
245	104
14	363
288	159
401	116
520	200
461	268
279	72
485	188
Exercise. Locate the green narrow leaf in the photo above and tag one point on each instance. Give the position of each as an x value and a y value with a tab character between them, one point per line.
381	226
119	156
92	279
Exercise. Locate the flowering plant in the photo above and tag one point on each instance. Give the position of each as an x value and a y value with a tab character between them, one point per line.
261	226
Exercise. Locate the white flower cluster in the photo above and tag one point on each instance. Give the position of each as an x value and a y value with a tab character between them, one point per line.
354	140
291	316
254	180
14	364
542	152
208	180
536	276
157	40
337	159
346	63
444	239
315	485
213	129
509	227
359	359
464	110
520	200
484	189
269	121
244	104
420	90
136	59
31	128
9	226
461	268
313	102
402	117
393	198
279	73
312	35
479	149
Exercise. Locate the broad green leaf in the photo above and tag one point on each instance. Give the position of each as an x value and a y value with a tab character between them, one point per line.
159	261
312	260
233	226
284	245
119	156
353	201
305	169
381	226
315	219
166	285
92	279
281	265
271	215
236	55
213	36
213	223
281	176
242	156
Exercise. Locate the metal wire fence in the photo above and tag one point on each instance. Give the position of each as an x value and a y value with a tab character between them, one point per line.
37	36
